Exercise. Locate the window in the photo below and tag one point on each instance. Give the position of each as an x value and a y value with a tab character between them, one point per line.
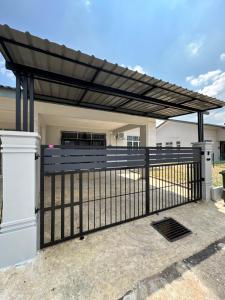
133	141
169	144
83	139
178	144
159	145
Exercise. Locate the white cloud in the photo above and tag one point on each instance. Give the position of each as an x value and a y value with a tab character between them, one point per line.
137	68
211	83
87	4
194	47
216	88
222	56
5	72
204	79
216	116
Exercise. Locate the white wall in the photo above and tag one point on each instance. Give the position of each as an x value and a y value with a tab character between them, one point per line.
118	142
187	133
151	140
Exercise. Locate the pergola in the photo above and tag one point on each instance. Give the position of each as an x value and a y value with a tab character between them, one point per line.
46	71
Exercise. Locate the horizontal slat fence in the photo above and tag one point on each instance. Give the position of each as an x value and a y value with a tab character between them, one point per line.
65	160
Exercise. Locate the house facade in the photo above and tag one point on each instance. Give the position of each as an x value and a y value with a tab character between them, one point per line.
174	133
64	96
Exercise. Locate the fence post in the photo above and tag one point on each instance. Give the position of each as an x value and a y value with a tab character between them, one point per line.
147	180
206	168
81	204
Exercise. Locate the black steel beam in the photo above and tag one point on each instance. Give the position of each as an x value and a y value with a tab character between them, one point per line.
6	51
47	52
200	127
25	104
85	91
94	87
58	100
70	102
18	102
148	90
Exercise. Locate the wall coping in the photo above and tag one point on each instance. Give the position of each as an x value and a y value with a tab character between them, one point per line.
5	133
202	143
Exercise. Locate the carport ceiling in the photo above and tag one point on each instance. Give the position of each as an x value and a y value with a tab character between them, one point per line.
84	124
70	77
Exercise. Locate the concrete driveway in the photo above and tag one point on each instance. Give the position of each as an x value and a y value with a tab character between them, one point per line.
131	261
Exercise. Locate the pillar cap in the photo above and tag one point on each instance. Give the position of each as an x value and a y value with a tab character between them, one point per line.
19	141
11	133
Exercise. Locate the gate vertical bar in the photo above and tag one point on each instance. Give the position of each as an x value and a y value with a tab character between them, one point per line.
188	185
62	205
72	204
200	171
81	204
52	208
42	197
147	179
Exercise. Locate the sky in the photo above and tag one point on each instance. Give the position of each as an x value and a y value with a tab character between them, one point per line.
180	41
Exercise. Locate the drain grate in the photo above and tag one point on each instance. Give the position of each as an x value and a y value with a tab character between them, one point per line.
171	229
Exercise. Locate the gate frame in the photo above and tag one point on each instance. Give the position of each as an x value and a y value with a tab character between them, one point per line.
145	168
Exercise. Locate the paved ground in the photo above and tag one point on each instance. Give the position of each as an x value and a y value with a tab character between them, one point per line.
1	196
109	197
131	261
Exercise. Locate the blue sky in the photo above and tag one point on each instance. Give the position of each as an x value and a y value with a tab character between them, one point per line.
180	41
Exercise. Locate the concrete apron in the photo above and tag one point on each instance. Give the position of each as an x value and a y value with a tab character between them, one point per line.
108	264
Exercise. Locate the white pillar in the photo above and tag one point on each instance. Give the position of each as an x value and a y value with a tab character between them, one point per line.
18	228
206	148
148	135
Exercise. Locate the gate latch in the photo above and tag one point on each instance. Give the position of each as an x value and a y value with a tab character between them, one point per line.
36	156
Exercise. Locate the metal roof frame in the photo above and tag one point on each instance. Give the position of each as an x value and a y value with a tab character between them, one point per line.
107	86
98	69
91	86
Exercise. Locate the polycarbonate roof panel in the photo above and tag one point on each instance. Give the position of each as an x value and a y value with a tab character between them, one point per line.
87	81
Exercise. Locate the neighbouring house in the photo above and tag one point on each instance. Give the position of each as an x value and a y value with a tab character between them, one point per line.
174	133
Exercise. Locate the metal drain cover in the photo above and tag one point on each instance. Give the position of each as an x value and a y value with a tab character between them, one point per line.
171	229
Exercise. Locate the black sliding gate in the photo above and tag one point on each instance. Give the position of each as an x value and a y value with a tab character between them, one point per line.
84	190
